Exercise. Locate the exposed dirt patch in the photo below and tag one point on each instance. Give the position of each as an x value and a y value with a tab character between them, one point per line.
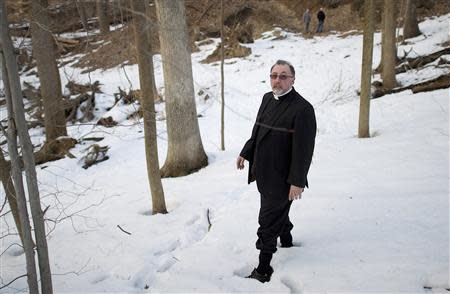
103	52
246	19
230	51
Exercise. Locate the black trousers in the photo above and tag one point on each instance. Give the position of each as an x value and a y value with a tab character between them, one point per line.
273	222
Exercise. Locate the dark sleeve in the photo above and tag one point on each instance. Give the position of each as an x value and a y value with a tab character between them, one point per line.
302	146
247	151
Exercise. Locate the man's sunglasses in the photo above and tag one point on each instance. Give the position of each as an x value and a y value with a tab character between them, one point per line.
281	76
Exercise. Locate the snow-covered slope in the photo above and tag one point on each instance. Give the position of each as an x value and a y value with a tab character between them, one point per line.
375	219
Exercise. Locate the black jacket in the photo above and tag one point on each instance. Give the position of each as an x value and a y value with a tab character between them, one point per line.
321	15
284	145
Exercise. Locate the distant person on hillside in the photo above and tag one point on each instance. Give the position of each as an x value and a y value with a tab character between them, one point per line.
279	153
306	20
321	19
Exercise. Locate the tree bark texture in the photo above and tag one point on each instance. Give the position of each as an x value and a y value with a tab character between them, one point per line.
8	186
28	159
82	13
389	51
410	26
146	79
366	70
185	149
151	48
5	166
8	63
44	51
222	79
102	14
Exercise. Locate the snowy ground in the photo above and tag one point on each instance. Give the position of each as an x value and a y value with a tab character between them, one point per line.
376	218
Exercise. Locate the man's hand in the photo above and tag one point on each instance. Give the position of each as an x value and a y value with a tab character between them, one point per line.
295	192
240	162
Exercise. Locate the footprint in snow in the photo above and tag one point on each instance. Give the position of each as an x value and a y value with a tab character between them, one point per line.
192	220
244	271
293	284
144	277
171	247
165	264
100	278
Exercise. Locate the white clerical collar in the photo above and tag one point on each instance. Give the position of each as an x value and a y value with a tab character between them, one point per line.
278	96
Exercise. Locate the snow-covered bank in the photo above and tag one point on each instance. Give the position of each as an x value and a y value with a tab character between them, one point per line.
376	218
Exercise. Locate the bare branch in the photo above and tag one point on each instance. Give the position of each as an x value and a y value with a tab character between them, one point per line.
15	279
209	221
3	206
123	230
11	245
77	273
128	79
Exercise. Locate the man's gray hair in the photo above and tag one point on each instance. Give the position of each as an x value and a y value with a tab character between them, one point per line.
284	62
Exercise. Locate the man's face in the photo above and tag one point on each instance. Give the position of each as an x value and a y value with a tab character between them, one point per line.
283	81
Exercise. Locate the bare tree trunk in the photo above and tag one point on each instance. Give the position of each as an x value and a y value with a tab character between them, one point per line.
222	80
44	51
5	166
82	12
16	172
102	14
124	10
8	186
389	51
152	50
8	66
410	26
185	149
146	79
366	70
28	159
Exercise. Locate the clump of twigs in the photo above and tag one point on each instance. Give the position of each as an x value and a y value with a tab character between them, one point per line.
84	101
95	154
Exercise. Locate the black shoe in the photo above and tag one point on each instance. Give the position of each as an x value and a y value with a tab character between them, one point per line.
261	277
287	245
286	241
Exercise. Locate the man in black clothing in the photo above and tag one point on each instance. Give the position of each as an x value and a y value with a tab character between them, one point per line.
279	152
321	18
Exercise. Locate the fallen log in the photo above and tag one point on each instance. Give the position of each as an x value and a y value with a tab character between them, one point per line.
95	139
417	62
54	150
422	60
68	42
66	45
441	82
107	122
